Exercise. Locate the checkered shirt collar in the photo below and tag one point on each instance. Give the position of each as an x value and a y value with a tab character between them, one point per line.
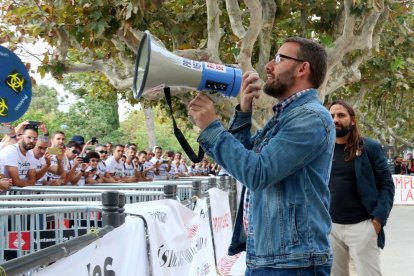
278	108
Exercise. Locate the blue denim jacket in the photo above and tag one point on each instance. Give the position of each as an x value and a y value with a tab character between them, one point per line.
286	166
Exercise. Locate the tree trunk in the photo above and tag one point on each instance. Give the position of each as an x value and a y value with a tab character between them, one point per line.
149	121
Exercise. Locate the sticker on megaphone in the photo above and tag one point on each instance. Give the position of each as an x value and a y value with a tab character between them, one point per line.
15	86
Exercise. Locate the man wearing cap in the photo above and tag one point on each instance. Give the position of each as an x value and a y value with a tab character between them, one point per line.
76	165
103	154
78	139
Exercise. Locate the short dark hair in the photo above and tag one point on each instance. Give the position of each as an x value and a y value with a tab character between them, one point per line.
142	152
156	147
58	132
73	144
92	154
119	145
30	127
316	55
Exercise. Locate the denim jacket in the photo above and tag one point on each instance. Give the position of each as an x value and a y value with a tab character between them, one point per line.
286	167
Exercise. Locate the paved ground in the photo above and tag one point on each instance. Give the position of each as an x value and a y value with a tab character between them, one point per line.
398	255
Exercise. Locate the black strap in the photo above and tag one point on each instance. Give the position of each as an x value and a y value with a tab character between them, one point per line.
179	135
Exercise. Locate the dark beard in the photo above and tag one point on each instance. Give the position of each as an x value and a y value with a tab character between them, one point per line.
278	87
275	90
26	146
343	131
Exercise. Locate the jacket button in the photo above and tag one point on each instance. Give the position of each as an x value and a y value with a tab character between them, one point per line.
324	259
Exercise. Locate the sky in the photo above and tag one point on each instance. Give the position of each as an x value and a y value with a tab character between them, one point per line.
27	53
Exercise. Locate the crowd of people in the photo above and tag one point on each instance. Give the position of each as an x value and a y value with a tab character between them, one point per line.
29	155
403	166
315	193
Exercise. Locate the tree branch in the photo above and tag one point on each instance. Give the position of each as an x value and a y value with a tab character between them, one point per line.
101	66
236	22
269	11
213	30
248	40
353	38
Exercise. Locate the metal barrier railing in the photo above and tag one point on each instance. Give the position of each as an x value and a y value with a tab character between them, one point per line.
111	214
132	196
112	217
25	230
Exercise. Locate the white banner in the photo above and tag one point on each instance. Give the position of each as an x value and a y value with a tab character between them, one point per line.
222	231
180	240
120	252
404	189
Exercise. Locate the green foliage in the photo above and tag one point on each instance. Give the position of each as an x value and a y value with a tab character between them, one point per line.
181	24
44	99
388	80
91	117
135	130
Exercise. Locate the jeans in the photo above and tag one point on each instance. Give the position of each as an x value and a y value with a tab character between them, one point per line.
320	270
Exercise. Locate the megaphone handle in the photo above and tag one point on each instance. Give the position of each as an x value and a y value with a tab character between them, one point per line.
180	136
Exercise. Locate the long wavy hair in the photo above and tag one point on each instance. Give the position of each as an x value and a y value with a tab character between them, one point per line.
354	144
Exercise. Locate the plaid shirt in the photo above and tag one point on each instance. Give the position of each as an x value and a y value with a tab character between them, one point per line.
277	109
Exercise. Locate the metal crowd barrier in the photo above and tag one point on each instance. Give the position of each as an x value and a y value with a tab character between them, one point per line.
72	203
62	194
184	187
112	216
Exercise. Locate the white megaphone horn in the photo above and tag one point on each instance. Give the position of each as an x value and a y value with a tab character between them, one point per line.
156	68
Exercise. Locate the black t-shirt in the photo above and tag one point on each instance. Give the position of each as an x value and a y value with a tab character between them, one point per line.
346	206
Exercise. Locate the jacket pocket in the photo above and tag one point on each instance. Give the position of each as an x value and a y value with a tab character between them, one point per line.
293	224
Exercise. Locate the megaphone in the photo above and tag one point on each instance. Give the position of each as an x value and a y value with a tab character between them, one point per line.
156	68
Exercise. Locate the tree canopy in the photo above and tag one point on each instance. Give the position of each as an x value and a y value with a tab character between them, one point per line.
367	41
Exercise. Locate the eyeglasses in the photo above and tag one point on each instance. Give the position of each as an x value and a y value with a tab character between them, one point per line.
278	58
31	138
103	151
75	152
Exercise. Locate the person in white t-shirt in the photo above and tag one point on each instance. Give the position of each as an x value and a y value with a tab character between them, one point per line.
59	164
131	172
149	167
18	159
77	165
42	160
114	165
182	168
103	154
162	166
92	173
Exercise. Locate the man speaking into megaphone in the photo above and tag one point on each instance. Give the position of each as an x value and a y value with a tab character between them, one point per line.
283	221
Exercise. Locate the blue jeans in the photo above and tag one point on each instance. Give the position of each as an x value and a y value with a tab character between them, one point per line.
320	270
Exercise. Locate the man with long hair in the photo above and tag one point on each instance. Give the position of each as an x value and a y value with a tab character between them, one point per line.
362	194
283	219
